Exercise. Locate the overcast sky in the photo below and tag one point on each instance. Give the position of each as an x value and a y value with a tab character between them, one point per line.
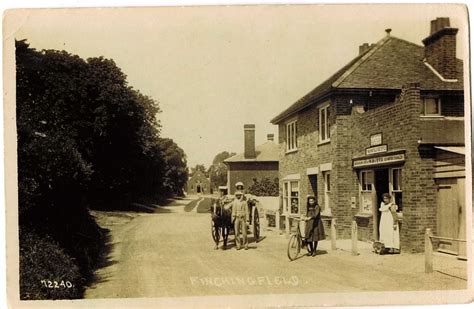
214	69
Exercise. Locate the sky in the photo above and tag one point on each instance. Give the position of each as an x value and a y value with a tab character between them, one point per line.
214	69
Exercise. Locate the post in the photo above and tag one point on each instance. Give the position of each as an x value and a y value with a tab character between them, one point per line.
277	221
333	234
287	226
354	238
428	252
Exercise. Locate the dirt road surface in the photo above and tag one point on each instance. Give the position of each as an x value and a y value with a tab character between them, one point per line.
170	253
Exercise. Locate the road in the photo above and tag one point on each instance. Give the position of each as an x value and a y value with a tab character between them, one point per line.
170	253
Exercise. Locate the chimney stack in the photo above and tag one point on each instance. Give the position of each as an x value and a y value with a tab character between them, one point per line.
440	47
364	47
270	137
249	141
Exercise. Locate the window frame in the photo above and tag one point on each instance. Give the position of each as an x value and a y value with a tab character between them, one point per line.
327	131
288	197
327	192
366	193
397	194
291	135
423	106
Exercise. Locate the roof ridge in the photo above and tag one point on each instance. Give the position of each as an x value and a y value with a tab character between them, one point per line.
359	62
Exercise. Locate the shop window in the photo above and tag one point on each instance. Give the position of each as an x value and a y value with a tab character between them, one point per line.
291	197
324	132
396	186
291	136
366	189
431	106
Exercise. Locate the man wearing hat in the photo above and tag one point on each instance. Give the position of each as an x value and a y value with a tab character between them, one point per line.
240	215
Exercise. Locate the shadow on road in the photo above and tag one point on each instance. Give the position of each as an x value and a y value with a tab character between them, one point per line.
104	259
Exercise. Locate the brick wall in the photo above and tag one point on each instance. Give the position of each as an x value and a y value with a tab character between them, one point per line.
247	171
398	121
399	125
309	154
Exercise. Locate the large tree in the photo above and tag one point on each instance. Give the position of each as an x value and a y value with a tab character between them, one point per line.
218	170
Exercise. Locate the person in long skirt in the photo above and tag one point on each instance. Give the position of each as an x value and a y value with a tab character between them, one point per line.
388	228
314	225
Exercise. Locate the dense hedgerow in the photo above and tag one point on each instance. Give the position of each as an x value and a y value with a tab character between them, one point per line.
46	271
86	140
264	187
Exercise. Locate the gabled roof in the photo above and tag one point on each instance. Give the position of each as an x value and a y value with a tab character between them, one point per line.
267	152
387	65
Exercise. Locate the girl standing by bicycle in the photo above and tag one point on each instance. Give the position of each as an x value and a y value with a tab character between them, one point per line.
314	225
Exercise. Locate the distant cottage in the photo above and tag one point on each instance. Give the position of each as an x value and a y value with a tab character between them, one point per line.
198	184
391	120
254	163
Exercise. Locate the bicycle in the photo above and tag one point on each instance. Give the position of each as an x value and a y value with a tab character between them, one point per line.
296	242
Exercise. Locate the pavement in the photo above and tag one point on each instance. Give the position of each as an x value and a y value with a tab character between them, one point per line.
170	253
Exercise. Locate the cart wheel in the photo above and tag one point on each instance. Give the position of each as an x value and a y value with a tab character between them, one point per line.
256	225
293	247
214	231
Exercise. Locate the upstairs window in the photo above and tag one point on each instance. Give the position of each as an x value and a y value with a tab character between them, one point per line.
431	106
324	133
291	136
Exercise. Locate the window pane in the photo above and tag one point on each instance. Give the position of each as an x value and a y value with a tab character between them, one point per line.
293	136
323	124
431	106
327	122
288	136
296	135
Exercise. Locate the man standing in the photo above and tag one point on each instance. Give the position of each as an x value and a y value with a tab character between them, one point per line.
240	215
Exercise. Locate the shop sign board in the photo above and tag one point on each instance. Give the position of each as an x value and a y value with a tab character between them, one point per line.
380	160
376	149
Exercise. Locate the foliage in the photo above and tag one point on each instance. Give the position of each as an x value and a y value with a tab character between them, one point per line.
264	187
42	260
218	170
200	168
85	140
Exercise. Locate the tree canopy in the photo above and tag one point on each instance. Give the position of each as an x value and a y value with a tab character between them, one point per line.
86	139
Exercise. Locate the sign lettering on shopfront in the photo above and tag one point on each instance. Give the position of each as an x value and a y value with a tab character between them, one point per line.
376	149
380	160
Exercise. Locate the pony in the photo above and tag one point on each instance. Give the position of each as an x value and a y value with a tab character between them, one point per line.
221	214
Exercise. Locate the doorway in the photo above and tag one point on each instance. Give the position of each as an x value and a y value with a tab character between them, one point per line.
381	184
451	214
198	189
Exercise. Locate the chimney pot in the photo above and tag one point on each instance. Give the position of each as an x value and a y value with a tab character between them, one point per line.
249	141
388	30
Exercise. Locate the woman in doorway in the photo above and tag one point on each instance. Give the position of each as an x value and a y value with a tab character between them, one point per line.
314	225
389	229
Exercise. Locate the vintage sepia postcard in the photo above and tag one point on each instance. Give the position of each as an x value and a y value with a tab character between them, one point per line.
238	156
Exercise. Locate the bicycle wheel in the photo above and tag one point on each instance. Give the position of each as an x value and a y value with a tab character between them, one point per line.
294	247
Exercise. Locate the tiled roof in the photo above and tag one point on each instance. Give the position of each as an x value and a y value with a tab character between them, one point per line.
267	152
388	64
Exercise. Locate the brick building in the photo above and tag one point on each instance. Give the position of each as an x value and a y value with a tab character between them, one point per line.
256	162
391	120
198	183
